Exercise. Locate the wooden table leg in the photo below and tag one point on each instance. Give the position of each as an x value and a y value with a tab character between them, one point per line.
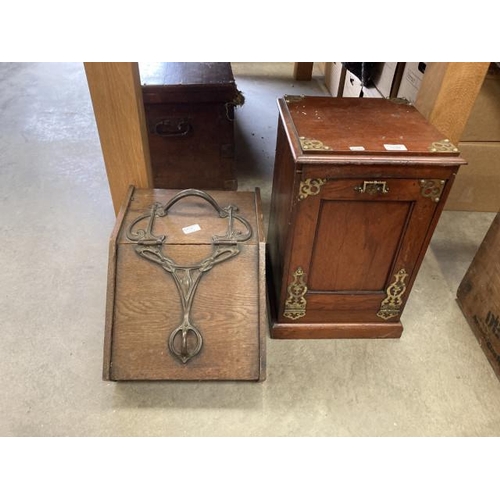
115	90
447	94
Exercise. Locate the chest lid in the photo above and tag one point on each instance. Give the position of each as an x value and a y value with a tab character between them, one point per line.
356	127
177	82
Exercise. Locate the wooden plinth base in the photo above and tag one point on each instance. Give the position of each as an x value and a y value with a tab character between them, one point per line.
336	330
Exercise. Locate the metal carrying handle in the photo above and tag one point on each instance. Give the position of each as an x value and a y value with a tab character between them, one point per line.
146	236
373	187
194	192
165	128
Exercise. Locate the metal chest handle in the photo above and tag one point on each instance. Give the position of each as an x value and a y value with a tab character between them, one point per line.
146	237
187	278
165	128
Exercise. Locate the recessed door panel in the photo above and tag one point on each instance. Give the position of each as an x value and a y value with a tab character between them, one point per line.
355	244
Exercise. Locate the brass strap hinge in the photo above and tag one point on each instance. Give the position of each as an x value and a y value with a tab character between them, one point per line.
391	305
295	304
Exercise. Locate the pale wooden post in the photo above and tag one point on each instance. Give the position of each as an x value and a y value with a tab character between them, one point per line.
115	90
447	94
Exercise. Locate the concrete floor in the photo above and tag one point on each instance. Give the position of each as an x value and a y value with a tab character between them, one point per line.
56	217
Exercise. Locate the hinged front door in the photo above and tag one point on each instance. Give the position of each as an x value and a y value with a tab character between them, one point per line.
355	248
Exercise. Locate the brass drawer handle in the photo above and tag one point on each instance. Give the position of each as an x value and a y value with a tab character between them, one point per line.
373	187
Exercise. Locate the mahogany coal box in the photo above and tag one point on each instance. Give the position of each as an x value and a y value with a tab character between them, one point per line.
359	185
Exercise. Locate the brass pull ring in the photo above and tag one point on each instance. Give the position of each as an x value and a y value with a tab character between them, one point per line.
184	353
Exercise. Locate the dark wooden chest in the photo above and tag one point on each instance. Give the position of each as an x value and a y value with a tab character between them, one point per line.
359	185
186	287
189	117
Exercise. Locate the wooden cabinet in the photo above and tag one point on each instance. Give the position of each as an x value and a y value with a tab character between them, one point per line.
189	111
358	188
186	287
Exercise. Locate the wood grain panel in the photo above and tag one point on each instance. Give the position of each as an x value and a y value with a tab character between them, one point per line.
361	250
225	310
119	112
282	201
378	123
337	330
111	286
343	308
382	170
202	156
447	94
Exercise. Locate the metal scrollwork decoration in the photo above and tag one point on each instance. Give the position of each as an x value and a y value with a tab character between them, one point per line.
295	304
391	305
432	188
310	187
308	144
444	146
186	341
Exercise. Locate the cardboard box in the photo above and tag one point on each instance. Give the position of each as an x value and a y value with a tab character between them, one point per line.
352	86
479	295
335	78
484	121
387	78
477	186
411	80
